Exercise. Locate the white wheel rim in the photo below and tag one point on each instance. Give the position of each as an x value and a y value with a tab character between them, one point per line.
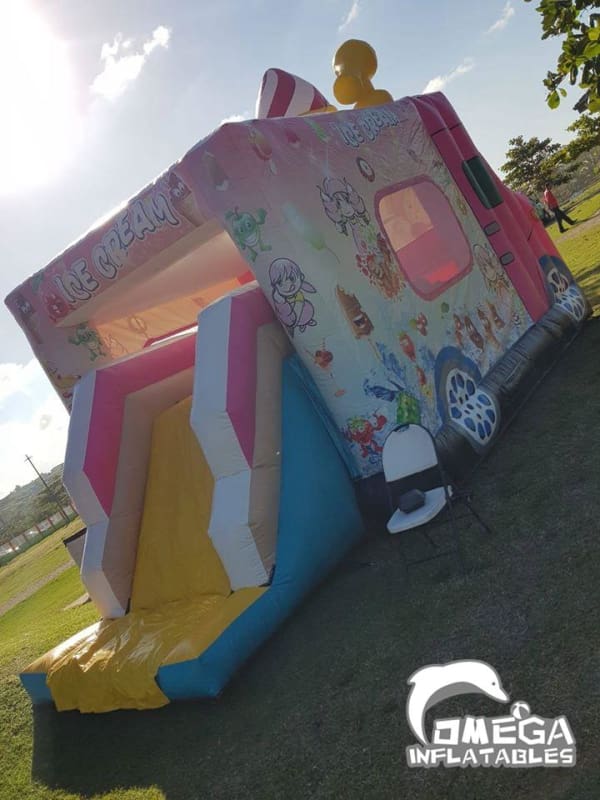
470	407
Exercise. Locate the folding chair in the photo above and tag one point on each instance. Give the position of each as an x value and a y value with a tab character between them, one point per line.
419	490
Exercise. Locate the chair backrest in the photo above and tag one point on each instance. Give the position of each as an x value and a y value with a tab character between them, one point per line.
410	460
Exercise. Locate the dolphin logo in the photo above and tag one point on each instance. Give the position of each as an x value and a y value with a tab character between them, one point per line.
432	684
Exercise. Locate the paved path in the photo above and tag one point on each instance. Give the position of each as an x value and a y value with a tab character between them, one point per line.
35	587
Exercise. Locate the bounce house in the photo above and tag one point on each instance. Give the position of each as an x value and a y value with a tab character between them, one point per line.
236	342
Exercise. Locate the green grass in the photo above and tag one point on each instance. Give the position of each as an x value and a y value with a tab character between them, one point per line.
35	563
580	247
319	712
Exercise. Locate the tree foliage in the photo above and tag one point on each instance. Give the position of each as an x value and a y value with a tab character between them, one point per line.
531	163
29	504
578	24
587	130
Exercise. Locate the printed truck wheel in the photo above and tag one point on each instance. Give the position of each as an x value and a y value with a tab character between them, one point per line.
557	275
462	403
470	407
558	282
573	302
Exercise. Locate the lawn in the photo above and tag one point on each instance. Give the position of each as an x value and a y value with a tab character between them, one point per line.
319	712
35	563
580	245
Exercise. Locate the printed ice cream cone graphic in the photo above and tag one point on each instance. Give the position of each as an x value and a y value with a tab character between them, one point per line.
216	173
359	322
183	201
262	148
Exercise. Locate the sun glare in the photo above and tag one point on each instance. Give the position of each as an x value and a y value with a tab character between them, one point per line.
40	126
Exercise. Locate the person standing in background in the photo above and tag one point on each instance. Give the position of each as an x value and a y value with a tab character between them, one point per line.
552	204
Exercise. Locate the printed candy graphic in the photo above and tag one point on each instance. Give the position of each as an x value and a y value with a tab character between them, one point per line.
346	209
323	358
366	170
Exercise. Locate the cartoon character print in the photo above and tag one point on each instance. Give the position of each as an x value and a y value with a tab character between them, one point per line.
493	274
362	432
28	316
288	288
90	339
346	209
246	231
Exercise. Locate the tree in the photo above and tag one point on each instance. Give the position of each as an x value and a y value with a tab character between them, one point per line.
579	59
531	163
587	130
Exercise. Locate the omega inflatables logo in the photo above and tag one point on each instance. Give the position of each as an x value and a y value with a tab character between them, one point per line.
519	739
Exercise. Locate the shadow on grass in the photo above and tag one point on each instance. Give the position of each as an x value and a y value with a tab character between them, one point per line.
319	712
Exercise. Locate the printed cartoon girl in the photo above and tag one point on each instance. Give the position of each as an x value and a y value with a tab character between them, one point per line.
288	287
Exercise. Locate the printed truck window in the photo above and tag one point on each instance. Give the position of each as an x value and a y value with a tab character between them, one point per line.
425	236
482	182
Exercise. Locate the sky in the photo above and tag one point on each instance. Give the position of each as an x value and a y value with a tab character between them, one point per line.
100	97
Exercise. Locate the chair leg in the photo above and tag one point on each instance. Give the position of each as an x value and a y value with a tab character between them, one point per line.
482	522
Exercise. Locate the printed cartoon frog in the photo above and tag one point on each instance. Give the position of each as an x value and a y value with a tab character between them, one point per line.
246	230
90	340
